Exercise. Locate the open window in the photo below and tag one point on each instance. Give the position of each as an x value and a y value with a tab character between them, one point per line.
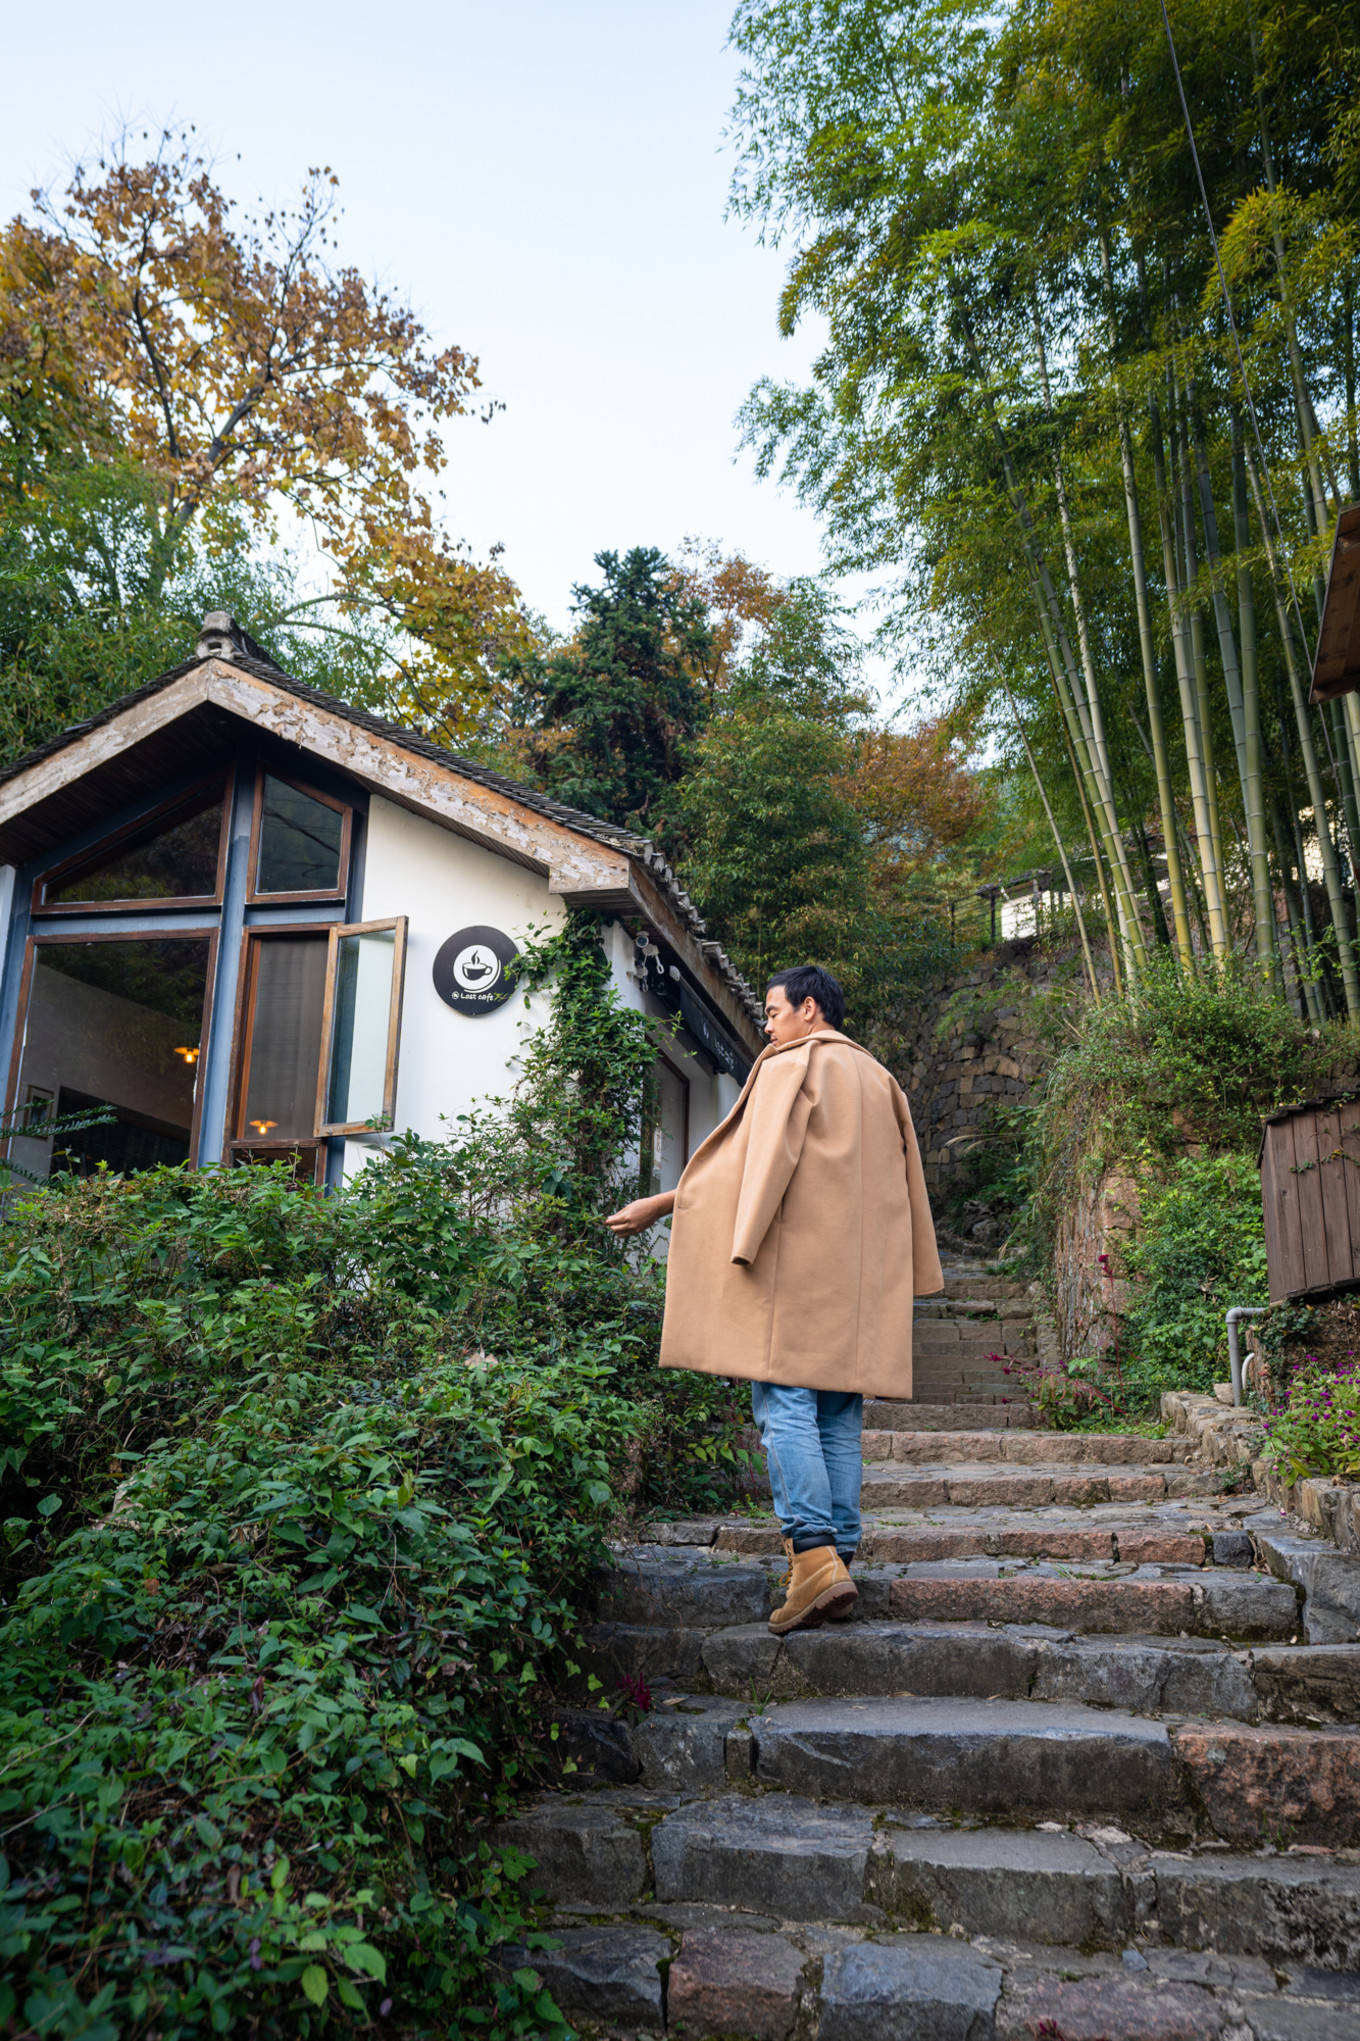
299	843
365	970
172	857
320	1013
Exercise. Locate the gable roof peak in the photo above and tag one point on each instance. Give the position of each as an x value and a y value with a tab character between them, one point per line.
221	637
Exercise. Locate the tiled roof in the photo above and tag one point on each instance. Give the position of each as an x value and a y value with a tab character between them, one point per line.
252	659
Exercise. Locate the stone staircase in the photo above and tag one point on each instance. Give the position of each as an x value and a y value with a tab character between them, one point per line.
963	1338
1072	1774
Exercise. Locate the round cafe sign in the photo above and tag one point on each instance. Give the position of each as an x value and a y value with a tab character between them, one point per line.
475	970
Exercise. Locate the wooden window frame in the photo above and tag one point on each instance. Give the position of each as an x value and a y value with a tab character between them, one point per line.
50	938
243	1034
398	924
256	898
130	830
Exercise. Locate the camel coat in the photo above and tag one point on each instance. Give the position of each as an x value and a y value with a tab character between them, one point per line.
801	1231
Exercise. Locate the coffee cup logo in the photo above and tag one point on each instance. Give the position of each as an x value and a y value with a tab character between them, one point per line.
476	968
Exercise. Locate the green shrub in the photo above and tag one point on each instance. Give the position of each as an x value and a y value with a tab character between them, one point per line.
1200	1248
1201	1055
301	1497
1318	1430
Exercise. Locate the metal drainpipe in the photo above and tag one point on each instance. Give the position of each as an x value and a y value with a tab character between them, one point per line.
1239	1312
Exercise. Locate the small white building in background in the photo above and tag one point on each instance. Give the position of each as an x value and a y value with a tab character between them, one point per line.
248	920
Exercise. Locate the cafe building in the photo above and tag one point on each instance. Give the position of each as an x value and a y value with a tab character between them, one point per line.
243	920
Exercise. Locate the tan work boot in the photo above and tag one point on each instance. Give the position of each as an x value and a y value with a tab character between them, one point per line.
819	1586
845	1609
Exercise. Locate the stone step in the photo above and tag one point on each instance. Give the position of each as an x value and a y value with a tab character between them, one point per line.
797	1858
969	1306
967	1339
967	1485
694	1969
1004	1760
1010	1534
1150	1674
971	1283
684	1589
1028	1760
1158	1600
975	1406
1016	1446
921	1415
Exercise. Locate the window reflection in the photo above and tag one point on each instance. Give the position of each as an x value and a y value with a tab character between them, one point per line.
286	993
108	1024
361	1035
301	841
175	859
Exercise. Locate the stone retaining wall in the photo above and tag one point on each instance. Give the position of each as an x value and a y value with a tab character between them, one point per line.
980	1041
1227	1437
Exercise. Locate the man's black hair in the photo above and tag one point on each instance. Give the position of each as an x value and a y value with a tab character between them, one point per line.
810	981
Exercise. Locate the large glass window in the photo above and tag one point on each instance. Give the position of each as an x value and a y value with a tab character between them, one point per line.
114	1028
174	855
301	842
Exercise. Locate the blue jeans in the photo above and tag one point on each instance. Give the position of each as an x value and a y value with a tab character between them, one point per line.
812	1449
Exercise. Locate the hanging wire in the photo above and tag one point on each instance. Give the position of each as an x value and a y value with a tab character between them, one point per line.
1262	464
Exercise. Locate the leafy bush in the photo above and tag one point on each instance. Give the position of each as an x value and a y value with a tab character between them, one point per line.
1318	1430
1200	1248
300	1501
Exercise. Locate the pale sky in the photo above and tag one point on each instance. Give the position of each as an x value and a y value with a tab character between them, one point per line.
546	183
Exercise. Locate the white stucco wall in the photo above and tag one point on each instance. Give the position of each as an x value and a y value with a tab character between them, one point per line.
442	883
448	1061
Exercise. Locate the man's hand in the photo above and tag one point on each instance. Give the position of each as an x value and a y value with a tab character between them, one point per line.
642	1213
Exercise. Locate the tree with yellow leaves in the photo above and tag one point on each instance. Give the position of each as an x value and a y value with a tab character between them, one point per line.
241	375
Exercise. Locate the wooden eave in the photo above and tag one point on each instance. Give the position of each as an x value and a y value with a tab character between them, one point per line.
1336	669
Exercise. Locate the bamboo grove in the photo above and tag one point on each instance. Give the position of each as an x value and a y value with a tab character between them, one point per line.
1099	510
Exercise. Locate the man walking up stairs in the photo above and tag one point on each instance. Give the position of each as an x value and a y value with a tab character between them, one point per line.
802	1236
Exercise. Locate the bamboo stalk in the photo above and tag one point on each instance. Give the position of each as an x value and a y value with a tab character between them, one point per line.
1253	807
1251	690
1210	877
1331	870
1100	791
1161	757
1088	960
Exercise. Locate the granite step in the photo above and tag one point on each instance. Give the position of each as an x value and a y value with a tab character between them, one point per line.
1207	1601
1019	1446
1153	1675
795	1858
1167	1781
969	1485
688	1589
1056	1533
920	1414
695	1969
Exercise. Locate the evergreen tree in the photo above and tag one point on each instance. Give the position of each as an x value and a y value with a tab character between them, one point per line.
608	721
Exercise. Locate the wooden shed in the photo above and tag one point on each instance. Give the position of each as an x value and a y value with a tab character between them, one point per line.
1310	1198
1336	669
